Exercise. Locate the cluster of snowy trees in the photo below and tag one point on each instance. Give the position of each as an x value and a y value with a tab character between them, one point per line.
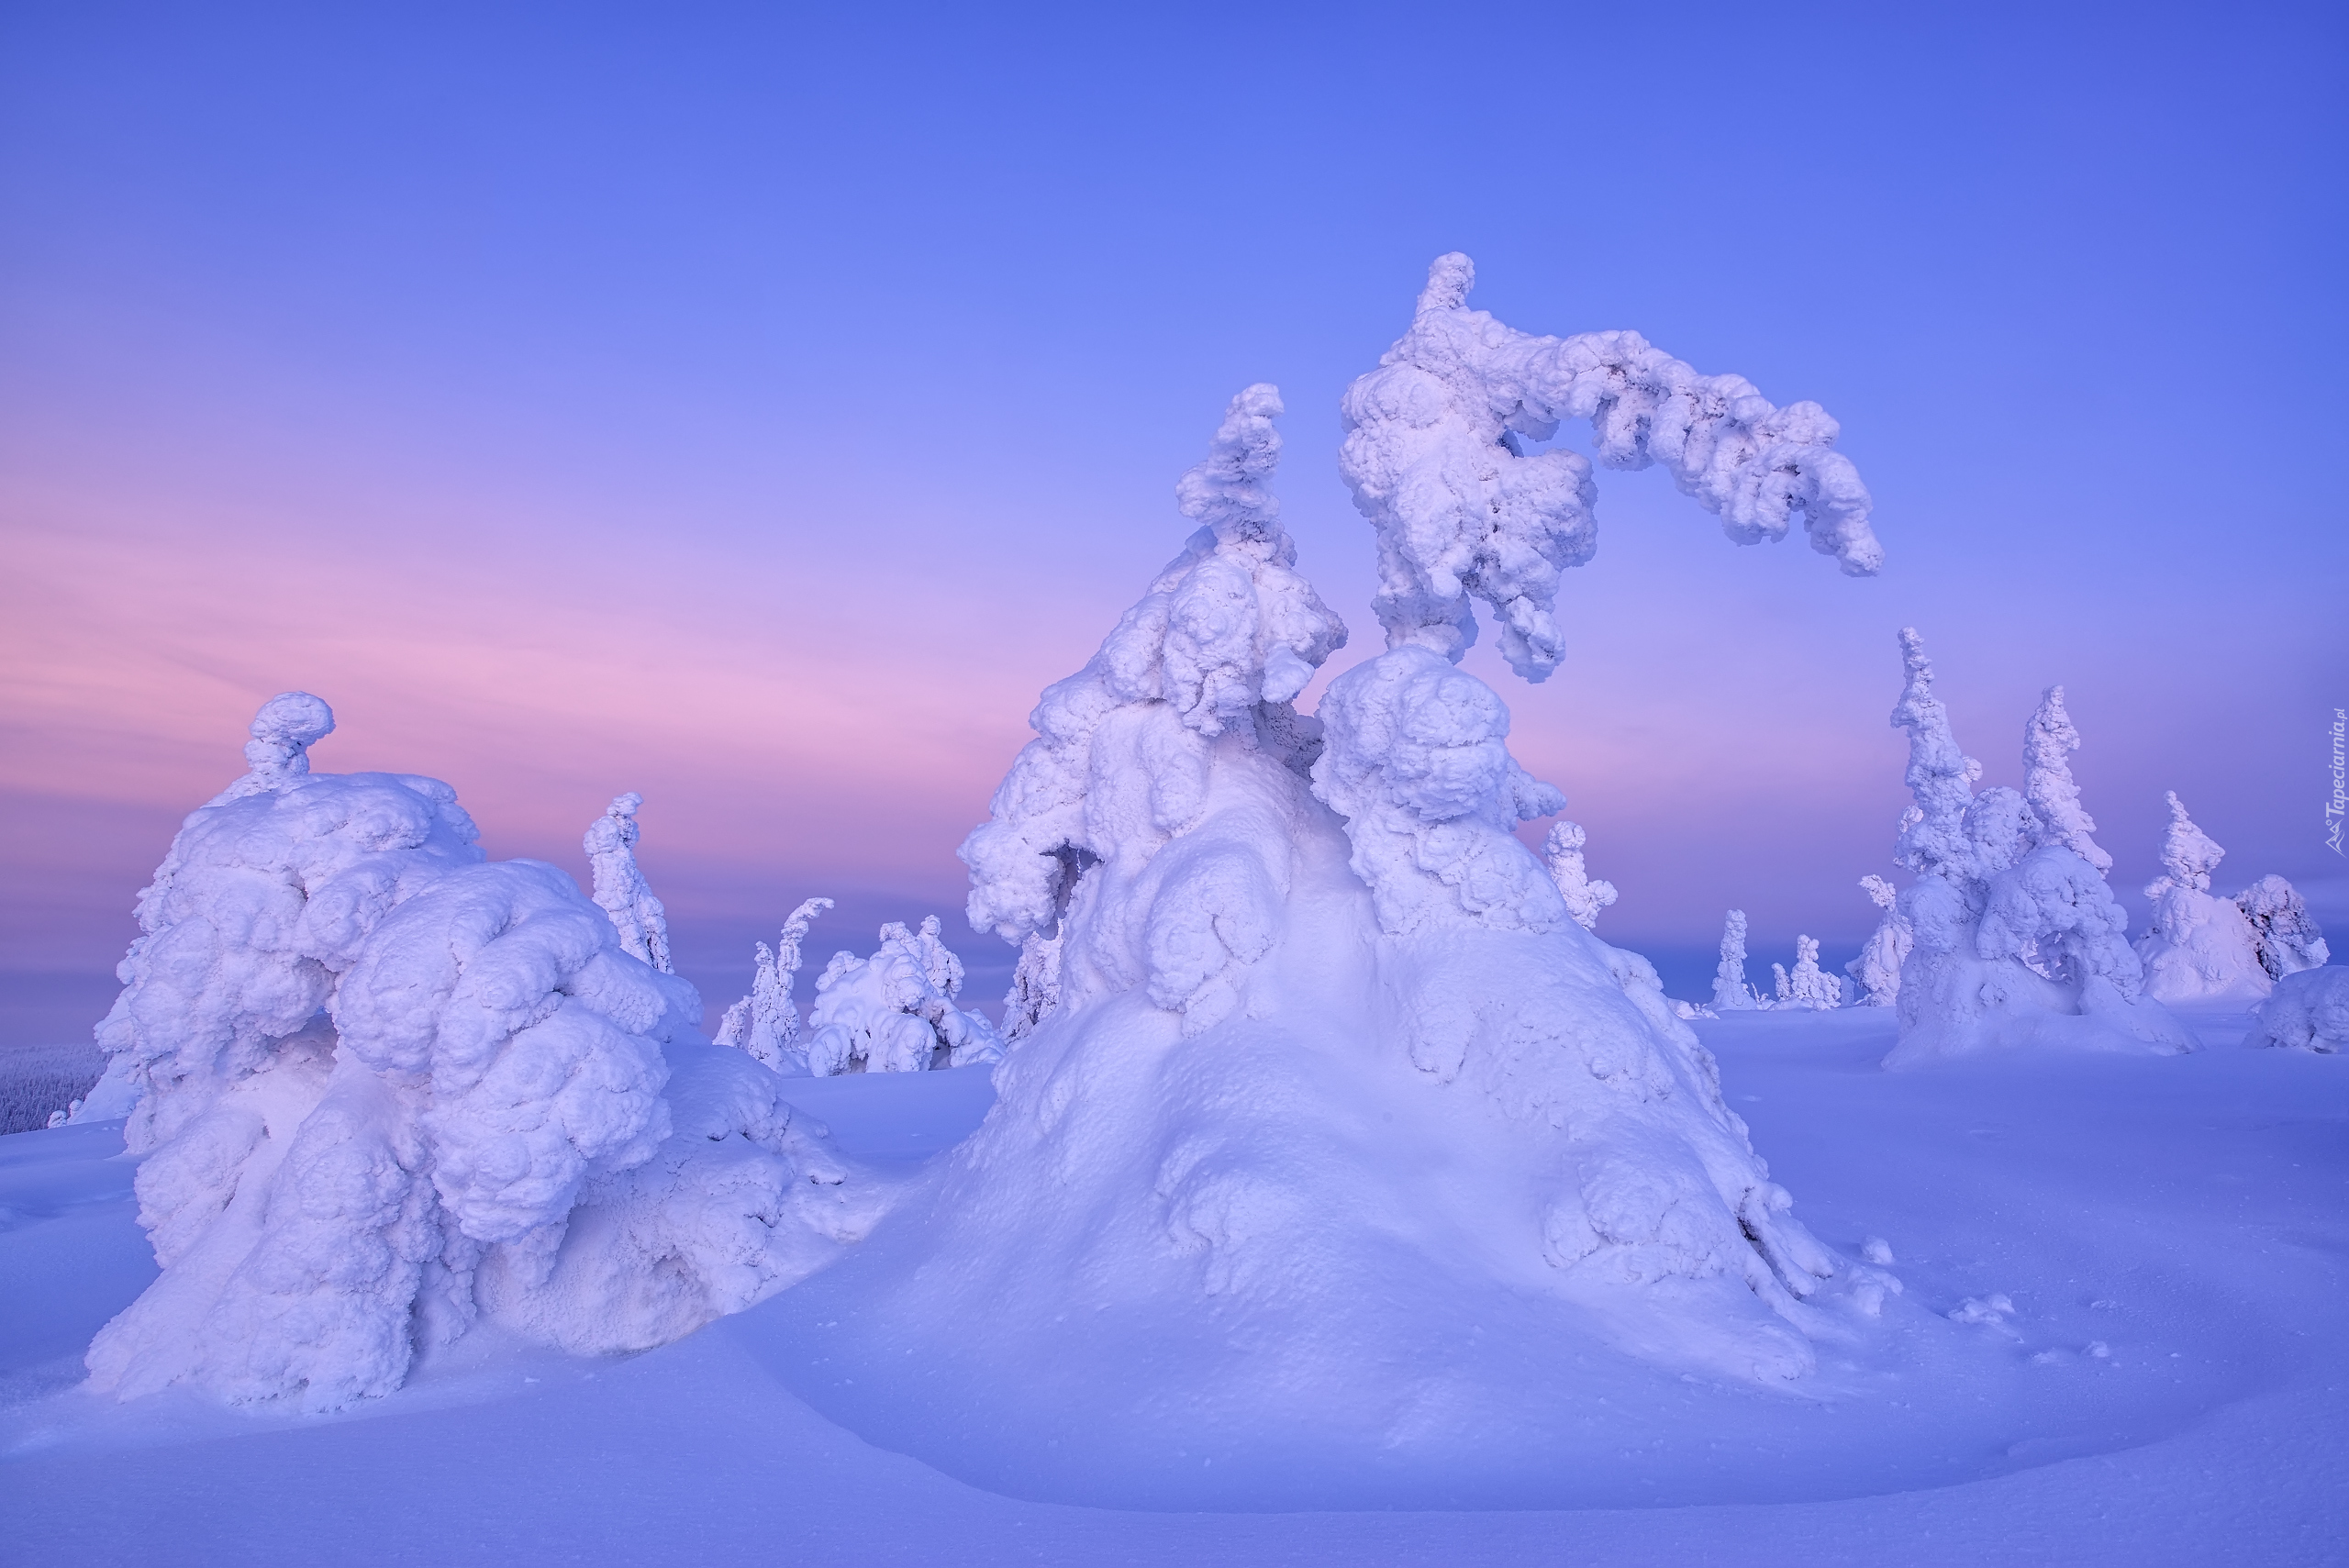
384	1088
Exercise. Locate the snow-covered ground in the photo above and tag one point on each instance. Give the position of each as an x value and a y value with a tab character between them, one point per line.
2147	1257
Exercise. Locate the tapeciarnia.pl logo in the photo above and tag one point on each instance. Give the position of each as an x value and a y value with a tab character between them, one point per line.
2338	807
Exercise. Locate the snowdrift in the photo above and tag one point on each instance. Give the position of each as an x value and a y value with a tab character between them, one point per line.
385	1090
1342	1140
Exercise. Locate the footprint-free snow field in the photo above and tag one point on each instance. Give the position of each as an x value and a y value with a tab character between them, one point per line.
2121	1309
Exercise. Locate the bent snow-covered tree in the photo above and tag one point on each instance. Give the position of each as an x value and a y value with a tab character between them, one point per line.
2198	947
1878	969
766	1022
2017	942
1302	961
620	890
383	1090
1562	852
2287	937
1809	985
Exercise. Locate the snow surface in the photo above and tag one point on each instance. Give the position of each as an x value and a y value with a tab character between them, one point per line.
2183	1215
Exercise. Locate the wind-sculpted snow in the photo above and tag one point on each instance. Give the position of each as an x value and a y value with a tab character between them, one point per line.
2287	937
2198	947
2016	941
385	1089
1328	1072
2308	1011
1435	452
620	890
895	1012
1585	897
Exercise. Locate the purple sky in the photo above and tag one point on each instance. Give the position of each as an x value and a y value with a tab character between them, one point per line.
754	406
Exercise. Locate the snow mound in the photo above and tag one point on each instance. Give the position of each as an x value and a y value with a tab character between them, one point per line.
1330	1073
2017	942
895	1012
2308	1011
1435	452
383	1089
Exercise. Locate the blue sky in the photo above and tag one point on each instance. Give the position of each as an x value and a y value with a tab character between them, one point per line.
756	406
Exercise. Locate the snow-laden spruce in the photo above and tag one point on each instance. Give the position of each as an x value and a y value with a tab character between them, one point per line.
2017	940
1731	991
1809	985
383	1089
620	890
2200	947
2048	741
1584	897
2308	1011
766	1022
1878	969
1435	454
895	1011
1331	1073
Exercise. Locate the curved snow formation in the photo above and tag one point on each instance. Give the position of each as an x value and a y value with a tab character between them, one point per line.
1331	1077
1584	897
1435	454
2016	941
895	1012
620	890
2287	937
2198	947
1878	969
2309	1011
766	1022
383	1090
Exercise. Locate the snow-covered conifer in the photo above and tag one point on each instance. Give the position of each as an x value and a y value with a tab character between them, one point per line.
2287	936
1585	897
1434	451
766	1022
1731	992
620	890
895	1012
1807	986
1035	986
2198	947
2016	938
2308	1011
2048	741
375	1080
1878	969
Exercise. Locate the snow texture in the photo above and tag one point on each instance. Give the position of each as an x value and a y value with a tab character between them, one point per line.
2309	1010
1435	455
766	1022
1035	987
2198	947
1731	992
2017	942
895	1012
1878	969
1809	985
2287	937
2048	741
383	1090
1584	898
620	890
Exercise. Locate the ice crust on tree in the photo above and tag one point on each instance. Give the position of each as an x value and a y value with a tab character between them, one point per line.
1295	974
1878	969
1585	897
1731	992
620	890
1807	986
2309	1010
2198	947
1434	453
895	1011
2285	936
766	1022
2017	940
385	1090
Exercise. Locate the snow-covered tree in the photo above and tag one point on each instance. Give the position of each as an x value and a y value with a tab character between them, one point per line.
1035	986
2016	938
1585	897
2287	935
1289	949
1878	969
1731	992
766	1022
376	1083
620	890
2048	741
895	1012
2308	1011
1809	985
2198	947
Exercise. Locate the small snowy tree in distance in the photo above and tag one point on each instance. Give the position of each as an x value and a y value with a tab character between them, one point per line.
620	890
2198	947
1585	897
1731	991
